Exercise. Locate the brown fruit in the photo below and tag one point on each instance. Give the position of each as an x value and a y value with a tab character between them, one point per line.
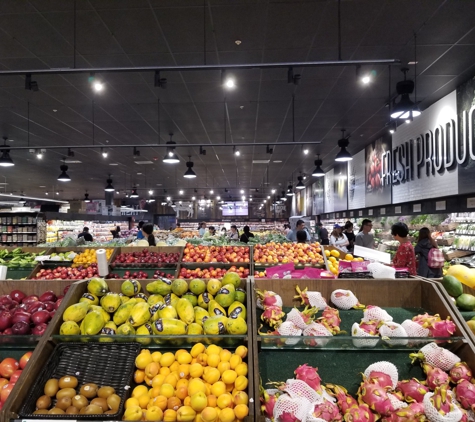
51	387
56	411
66	392
101	402
44	402
105	392
110	412
63	402
79	401
89	390
40	412
72	410
113	402
68	382
92	409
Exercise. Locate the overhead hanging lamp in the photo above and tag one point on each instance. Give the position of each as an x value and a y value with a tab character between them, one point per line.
86	197
170	156
290	191
300	184
5	159
318	172
343	155
134	193
109	187
189	173
64	177
405	108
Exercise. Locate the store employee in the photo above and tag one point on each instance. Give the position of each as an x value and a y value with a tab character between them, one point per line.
292	234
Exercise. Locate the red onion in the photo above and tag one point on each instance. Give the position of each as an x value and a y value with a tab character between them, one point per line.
35	306
17	295
66	289
21	328
21	316
30	299
48	296
5	320
39	329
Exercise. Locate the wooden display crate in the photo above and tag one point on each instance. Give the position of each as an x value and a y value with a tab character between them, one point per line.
277	362
161	249
456	254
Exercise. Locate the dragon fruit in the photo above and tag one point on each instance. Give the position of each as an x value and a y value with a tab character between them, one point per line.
268	402
414	412
441	400
310	298
412	390
288	417
381	378
426	320
327	411
444	328
436	356
302	318
331	319
435	376
310	376
272	315
345	299
465	393
361	413
344	400
268	298
460	371
375	313
371	327
376	397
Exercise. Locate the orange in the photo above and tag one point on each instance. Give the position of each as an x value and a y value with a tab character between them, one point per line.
241	351
160	401
152	369
154	392
184	370
202	358
182	383
171	379
174	366
165	371
212	400
148	381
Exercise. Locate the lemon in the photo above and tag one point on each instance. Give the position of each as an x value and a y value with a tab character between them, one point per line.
335	253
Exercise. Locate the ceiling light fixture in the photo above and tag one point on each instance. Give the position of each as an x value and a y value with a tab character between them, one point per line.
150	192
189	173
134	193
237	153
109	187
290	191
169	198
193	198
305	151
405	108
218	198
230	83
343	155
86	197
318	172
211	191
39	154
273	191
173	204
5	159
365	78
202	151
104	153
300	184
136	152
181	192
29	84
269	150
170	156
64	177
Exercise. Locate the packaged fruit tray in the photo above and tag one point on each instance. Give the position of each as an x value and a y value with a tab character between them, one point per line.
110	365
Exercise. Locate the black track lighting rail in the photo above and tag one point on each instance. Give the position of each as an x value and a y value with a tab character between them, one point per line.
68	70
236	144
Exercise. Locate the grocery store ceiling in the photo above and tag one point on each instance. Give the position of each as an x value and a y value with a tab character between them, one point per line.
40	34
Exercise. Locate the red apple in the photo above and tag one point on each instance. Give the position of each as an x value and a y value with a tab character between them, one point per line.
24	359
7	367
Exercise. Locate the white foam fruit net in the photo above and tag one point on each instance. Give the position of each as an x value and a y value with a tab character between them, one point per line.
470	415
344	299
278	300
375	313
381	271
369	341
316	299
393	329
433	414
316	329
298	406
397	404
294	316
439	357
384	367
297	388
288	328
413	329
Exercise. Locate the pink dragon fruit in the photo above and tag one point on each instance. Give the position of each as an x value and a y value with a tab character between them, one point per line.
412	390
435	376
288	417
426	320
441	400
331	319
465	417
272	315
268	298
460	371
371	327
436	356
376	397
302	318
465	393
309	375
361	413
327	411
344	400
381	378
302	295
414	412
444	328
268	402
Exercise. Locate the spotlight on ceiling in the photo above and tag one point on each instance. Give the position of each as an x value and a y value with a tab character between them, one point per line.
39	154
134	193
230	83
237	153
290	191
169	198
300	184
305	151
109	187
405	108
29	84
202	151
365	77
180	192
273	191
170	156
64	177
242	190
5	159
86	197
343	155
193	198
318	172
104	153
136	152
189	173
218	198
269	150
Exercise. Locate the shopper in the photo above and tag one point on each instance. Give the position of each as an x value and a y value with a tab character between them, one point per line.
246	235
292	234
178	228
286	228
348	231
202	229
323	234
338	238
147	232
364	237
301	236
425	243
211	232
85	233
139	233
116	233
224	232
234	235
405	256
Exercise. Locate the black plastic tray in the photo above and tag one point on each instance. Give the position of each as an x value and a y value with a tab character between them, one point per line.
104	364
367	274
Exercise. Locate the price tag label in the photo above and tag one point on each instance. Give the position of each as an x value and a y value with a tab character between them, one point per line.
397	210
382	211
416	208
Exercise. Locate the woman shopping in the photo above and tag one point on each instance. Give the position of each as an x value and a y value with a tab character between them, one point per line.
338	238
425	243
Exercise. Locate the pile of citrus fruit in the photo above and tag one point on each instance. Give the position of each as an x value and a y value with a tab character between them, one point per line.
334	258
88	257
205	384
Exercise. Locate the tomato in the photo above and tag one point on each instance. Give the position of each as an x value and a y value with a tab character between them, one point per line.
7	367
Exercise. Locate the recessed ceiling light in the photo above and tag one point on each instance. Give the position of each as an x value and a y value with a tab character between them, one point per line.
138	174
412	63
11	140
54	110
113	164
159	184
238	42
277	161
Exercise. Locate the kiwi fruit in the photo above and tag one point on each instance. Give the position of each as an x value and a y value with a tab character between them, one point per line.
63	403
41	412
66	392
51	387
113	402
89	390
56	411
72	410
68	382
79	401
92	409
98	401
44	402
105	392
